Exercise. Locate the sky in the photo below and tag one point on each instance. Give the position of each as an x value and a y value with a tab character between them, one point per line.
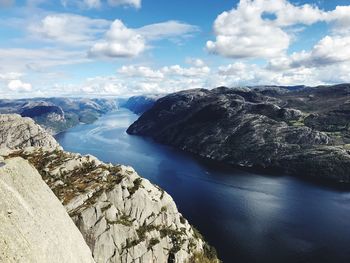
122	48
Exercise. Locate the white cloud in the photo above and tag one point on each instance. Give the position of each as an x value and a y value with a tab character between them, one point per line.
144	72
92	3
167	29
68	29
242	33
197	62
21	59
177	70
330	50
120	41
133	3
10	75
260	28
89	4
18	85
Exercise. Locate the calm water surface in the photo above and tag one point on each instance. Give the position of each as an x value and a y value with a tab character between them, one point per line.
248	217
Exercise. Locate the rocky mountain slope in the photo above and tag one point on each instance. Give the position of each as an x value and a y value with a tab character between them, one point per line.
18	132
58	114
122	217
140	104
302	132
34	225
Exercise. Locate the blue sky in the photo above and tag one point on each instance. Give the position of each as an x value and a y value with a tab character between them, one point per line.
130	47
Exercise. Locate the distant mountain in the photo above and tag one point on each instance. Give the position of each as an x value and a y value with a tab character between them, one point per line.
302	131
59	114
140	104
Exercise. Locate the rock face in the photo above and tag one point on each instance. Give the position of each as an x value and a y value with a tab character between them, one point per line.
17	132
34	225
123	217
247	128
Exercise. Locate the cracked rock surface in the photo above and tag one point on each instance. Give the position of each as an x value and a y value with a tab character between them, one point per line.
17	132
123	217
34	226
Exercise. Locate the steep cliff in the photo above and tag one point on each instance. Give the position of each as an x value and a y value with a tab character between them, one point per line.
247	128
122	217
34	225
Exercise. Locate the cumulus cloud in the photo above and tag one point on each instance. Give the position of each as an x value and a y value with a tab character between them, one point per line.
119	41
68	29
242	33
259	28
18	85
330	50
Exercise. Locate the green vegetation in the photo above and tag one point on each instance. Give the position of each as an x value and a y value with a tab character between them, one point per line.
196	233
137	184
298	123
122	220
153	242
200	257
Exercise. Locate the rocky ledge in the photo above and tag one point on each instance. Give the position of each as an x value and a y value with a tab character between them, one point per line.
255	128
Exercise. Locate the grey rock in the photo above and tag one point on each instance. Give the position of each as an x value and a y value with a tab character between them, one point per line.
17	133
35	227
244	127
123	217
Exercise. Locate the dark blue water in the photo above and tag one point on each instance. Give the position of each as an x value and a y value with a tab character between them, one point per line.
248	217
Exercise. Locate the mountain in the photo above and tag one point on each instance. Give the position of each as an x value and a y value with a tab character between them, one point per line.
303	131
121	216
58	114
140	104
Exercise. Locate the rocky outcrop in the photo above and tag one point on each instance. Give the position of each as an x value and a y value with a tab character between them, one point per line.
17	133
34	226
247	128
123	217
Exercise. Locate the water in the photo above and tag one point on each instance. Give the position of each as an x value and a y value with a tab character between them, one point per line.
248	217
